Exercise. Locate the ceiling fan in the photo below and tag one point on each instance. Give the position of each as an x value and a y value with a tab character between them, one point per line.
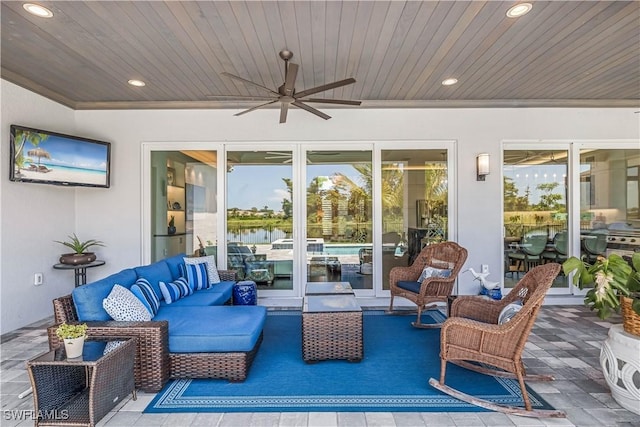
287	95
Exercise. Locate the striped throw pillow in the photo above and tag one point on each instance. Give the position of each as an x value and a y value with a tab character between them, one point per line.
143	290
210	261
197	276
175	290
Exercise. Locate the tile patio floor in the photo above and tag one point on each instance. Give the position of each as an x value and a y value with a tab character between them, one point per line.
565	342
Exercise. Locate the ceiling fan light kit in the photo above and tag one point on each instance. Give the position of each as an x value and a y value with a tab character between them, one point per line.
287	95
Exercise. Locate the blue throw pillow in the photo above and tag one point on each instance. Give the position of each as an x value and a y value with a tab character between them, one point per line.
175	290
143	290
197	276
210	261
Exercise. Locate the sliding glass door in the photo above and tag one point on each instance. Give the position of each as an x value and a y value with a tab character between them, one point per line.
339	223
259	219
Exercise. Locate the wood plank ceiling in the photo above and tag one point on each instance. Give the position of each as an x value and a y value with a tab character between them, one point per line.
562	53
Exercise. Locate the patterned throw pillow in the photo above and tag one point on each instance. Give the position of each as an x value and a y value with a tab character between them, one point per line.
429	272
123	305
175	290
145	293
509	312
197	276
212	271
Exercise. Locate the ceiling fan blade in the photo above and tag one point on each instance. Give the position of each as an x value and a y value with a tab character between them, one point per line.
333	101
290	80
265	98
311	110
325	87
249	83
284	107
255	108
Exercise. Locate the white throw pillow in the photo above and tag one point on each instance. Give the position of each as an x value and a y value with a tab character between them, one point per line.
123	305
429	272
212	271
509	312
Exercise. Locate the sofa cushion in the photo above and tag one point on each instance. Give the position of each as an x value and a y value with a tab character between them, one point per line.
199	298
225	288
144	292
175	290
88	298
123	305
154	273
174	263
210	261
217	329
197	276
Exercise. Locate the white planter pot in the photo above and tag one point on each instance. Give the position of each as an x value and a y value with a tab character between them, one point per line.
73	347
621	366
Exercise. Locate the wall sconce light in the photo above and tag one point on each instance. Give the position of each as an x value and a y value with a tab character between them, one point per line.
482	166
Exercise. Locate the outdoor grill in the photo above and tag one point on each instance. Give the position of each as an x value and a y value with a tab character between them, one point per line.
623	242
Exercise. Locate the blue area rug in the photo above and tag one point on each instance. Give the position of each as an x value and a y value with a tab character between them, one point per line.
392	377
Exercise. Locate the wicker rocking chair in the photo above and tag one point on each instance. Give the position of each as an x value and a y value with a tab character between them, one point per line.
403	281
472	333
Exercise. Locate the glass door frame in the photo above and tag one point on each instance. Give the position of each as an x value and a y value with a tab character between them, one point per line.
451	149
222	250
146	234
573	148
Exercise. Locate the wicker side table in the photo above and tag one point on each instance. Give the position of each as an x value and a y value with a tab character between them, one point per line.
81	391
331	328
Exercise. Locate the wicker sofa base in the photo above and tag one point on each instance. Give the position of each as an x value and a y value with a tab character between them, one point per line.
233	366
154	365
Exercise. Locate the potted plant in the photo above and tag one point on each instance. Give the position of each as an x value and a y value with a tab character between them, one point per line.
616	284
73	337
79	254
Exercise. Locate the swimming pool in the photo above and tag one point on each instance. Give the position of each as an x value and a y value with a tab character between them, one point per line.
343	249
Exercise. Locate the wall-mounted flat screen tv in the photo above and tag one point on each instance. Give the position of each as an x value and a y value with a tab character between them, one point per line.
46	157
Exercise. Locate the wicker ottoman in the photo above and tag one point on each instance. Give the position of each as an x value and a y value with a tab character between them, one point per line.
331	328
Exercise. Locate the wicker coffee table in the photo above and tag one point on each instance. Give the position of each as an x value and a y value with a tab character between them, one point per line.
82	390
331	328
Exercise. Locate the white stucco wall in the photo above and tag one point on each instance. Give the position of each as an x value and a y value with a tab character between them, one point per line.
114	215
32	216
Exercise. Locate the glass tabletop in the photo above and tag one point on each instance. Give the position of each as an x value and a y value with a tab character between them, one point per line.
328	288
330	303
92	351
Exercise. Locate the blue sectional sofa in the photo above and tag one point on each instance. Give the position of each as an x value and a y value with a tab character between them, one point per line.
198	336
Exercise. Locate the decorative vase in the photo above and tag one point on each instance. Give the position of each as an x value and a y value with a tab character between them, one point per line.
77	259
171	230
73	347
630	319
621	367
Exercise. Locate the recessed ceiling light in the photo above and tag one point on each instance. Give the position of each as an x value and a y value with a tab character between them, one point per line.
37	10
519	10
449	82
136	83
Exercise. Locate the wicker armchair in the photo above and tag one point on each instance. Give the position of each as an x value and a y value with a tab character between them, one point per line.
403	280
472	334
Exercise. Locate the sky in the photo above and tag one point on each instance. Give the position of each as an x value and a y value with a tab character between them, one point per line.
262	185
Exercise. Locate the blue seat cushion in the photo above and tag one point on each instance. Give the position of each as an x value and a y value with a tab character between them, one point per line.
410	286
198	299
155	273
88	298
225	288
174	263
213	329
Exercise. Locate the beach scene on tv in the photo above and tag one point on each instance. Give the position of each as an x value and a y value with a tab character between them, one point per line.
55	158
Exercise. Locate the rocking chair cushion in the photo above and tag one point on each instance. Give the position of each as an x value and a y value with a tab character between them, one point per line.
410	286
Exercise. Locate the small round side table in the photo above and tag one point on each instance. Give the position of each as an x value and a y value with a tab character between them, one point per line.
245	293
80	270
